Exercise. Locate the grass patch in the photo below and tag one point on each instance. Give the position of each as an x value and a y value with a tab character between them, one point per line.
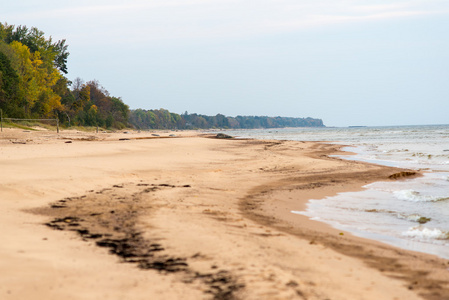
14	125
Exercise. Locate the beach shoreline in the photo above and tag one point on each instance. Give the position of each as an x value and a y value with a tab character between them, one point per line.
210	218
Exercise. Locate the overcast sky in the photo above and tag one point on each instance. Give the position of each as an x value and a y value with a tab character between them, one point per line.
348	62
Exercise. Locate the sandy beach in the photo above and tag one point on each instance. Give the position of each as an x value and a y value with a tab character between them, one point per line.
184	215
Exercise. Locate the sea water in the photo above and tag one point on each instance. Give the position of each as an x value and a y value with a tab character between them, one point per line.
413	213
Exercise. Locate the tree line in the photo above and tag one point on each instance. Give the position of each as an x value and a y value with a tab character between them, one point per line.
163	119
33	85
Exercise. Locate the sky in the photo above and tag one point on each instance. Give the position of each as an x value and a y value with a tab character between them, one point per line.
347	62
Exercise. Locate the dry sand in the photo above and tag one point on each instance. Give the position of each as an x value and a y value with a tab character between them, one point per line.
188	217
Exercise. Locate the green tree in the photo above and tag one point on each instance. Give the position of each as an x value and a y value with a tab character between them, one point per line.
9	81
54	54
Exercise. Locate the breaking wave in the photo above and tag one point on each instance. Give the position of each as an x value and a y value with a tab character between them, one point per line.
411	195
427	233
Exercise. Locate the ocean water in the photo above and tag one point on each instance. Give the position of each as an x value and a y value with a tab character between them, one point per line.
411	214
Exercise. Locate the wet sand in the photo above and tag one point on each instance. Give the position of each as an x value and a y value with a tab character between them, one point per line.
151	215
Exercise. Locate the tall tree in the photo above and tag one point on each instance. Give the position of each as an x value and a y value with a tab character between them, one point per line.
54	54
36	80
9	81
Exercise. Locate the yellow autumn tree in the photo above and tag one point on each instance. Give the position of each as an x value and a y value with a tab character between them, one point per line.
35	81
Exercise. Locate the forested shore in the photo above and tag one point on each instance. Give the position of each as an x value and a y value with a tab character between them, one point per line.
163	119
33	85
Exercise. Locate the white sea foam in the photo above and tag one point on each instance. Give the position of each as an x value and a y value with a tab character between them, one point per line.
411	195
427	233
414	218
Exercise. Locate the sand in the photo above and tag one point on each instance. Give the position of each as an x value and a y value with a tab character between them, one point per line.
181	215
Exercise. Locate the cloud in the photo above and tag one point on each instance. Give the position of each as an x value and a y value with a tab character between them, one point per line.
165	20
